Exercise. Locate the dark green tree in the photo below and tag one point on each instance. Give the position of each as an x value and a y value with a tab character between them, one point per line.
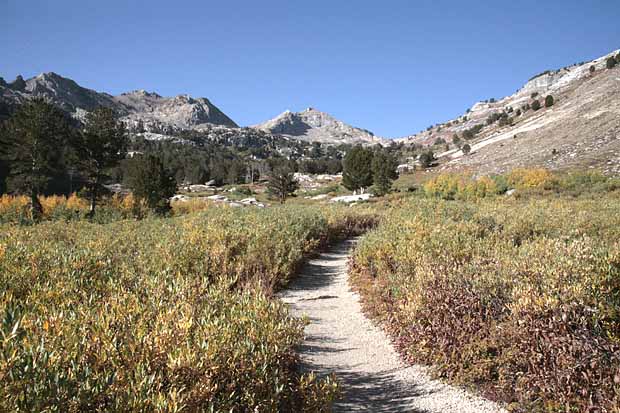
592	69
18	84
151	182
100	146
536	105
549	101
357	168
610	63
456	140
466	149
426	158
31	143
383	172
4	174
282	183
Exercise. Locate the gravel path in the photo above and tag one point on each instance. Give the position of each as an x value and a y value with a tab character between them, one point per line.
340	339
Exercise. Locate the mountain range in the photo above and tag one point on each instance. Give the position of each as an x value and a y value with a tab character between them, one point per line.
582	128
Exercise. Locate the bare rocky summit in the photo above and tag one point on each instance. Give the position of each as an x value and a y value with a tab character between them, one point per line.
315	126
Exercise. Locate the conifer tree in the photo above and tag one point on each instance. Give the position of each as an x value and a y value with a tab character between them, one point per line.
151	183
383	172
357	169
101	145
31	142
282	183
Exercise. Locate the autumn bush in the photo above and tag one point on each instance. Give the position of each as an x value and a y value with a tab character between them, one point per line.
519	298
532	181
162	314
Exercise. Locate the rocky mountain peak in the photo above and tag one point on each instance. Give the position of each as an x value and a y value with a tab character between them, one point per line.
314	125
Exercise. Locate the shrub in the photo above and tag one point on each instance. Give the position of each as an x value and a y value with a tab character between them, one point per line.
167	314
536	105
592	69
466	149
518	298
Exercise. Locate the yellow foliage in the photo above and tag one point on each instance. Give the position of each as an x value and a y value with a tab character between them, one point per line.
536	178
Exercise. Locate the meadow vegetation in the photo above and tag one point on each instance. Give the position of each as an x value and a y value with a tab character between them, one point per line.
162	314
517	297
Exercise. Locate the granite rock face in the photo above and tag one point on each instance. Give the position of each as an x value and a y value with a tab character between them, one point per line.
316	126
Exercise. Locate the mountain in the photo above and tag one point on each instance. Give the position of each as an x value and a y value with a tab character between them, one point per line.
315	126
581	129
149	109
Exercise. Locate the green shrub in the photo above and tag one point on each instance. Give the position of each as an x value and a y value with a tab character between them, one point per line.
535	105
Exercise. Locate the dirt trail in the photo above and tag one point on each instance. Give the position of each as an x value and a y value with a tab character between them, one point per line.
340	339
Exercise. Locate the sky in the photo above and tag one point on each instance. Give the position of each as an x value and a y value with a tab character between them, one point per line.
392	66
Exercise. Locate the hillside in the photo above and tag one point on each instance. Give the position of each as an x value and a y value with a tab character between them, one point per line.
581	129
315	126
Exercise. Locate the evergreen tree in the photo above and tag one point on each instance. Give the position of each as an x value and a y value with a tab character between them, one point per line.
4	174
536	105
100	146
549	101
151	182
31	142
383	172
18	84
357	168
426	159
610	63
282	183
466	149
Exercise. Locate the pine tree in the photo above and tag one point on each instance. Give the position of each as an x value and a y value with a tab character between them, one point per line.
536	105
151	183
101	145
549	101
31	142
383	172
610	63
357	168
426	158
282	183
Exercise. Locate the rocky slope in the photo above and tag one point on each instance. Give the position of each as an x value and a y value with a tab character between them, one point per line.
315	126
581	129
151	111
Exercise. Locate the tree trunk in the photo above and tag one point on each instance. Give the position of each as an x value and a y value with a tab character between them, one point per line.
93	200
36	209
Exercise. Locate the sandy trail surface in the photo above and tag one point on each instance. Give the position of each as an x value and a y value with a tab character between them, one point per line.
341	340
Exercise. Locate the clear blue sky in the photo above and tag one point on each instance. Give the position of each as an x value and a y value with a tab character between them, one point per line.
392	66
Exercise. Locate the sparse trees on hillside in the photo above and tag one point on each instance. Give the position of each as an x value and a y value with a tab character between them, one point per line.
31	142
383	171
549	101
151	183
610	63
282	183
357	169
101	145
536	105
